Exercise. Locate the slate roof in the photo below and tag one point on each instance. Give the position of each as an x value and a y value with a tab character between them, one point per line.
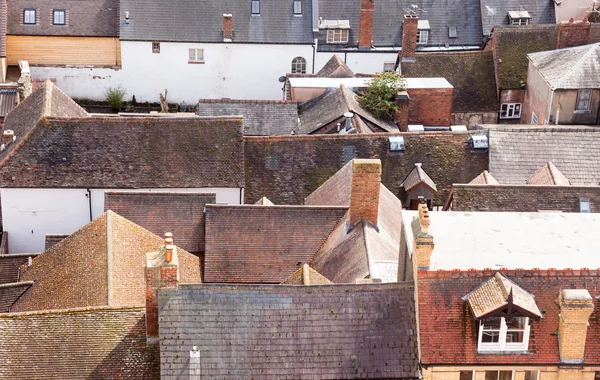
125	153
89	18
306	276
485	178
185	21
77	343
10	293
451	333
570	68
548	175
387	23
179	213
471	75
261	117
416	177
275	331
8	100
101	264
252	243
513	43
330	107
495	12
496	293
517	153
10	264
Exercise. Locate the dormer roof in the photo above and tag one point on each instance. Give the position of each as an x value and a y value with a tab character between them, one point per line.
418	176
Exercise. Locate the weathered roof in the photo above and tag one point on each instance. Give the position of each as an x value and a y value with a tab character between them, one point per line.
485	178
261	117
332	105
52	239
264	201
179	213
495	12
102	264
8	100
344	331
335	68
442	309
496	293
90	18
513	43
416	177
185	21
517	153
471	75
10	293
570	68
126	153
77	343
10	264
548	175
253	243
306	276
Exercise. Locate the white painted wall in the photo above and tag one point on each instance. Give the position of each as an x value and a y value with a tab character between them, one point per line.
238	71
363	63
29	214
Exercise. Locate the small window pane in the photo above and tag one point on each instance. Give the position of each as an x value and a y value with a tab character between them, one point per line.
467	375
584	99
491	375
297	7
422	37
255	7
29	16
505	375
299	65
584	206
58	17
388	66
192	55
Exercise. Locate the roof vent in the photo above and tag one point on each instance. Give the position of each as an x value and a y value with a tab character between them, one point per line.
416	128
458	128
479	142
452	31
396	143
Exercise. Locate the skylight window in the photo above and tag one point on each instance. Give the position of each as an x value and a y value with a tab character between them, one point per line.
255	7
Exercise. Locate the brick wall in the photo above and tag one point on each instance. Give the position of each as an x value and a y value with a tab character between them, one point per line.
364	202
409	36
288	169
430	106
573	34
512	96
365	36
523	198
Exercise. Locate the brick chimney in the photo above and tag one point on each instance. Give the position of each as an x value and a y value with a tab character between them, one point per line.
162	271
365	37
575	309
401	115
227	27
364	196
410	28
3	22
573	33
423	240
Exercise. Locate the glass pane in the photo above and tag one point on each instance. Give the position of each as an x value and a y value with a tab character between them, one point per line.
505	375
491	375
466	375
255	6
297	7
192	54
492	323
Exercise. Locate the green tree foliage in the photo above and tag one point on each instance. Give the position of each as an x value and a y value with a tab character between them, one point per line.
115	96
378	97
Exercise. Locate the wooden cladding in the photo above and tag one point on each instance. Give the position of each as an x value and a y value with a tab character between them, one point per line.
60	51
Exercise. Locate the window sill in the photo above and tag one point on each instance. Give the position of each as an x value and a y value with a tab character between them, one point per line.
510	118
582	111
337	43
503	352
195	63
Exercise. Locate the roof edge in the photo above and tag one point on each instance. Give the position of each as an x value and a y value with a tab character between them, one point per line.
72	311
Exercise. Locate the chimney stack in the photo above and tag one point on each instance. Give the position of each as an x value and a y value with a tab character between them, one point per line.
365	37
410	28
227	27
3	22
364	196
401	115
423	240
573	33
162	271
575	309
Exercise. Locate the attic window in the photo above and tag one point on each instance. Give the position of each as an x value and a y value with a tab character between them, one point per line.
423	32
297	7
452	31
396	143
518	17
255	7
496	334
337	30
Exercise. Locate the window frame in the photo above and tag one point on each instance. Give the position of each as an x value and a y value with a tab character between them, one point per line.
503	345
297	7
55	12
534	119
580	92
255	7
34	10
585	206
157	51
422	36
511	110
299	65
195	60
333	33
519	21
388	64
512	373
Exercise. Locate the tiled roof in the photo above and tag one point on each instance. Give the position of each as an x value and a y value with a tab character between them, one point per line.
570	68
548	175
10	293
10	264
52	239
93	343
282	331
306	276
513	43
184	21
264	201
266	244
127	153
179	213
416	177
91	18
495	12
8	100
261	118
516	154
451	332
496	293
102	264
471	75
335	68
335	191
485	178
3	21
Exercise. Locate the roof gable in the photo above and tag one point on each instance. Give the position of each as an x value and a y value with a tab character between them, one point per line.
416	177
485	178
570	68
335	68
548	175
306	276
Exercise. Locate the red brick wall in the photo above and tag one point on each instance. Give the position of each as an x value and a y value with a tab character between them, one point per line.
512	96
430	106
573	34
409	36
366	23
366	181
228	26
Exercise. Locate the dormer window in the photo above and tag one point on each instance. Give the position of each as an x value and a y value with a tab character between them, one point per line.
255	7
499	334
297	7
423	32
518	17
337	30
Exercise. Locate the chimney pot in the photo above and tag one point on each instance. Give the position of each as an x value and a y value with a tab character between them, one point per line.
571	20
8	136
585	19
169	252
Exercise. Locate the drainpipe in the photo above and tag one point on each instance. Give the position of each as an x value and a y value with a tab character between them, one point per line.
557	114
242	195
89	197
315	46
550	104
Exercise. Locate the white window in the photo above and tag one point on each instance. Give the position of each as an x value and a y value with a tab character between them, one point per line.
29	16
495	334
584	100
518	17
498	375
297	7
388	66
299	65
58	17
337	36
255	6
519	21
584	205
196	56
422	36
510	111
534	118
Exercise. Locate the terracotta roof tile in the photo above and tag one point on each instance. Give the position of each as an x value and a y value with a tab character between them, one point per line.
485	178
335	68
10	293
306	276
10	264
416	177
548	175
